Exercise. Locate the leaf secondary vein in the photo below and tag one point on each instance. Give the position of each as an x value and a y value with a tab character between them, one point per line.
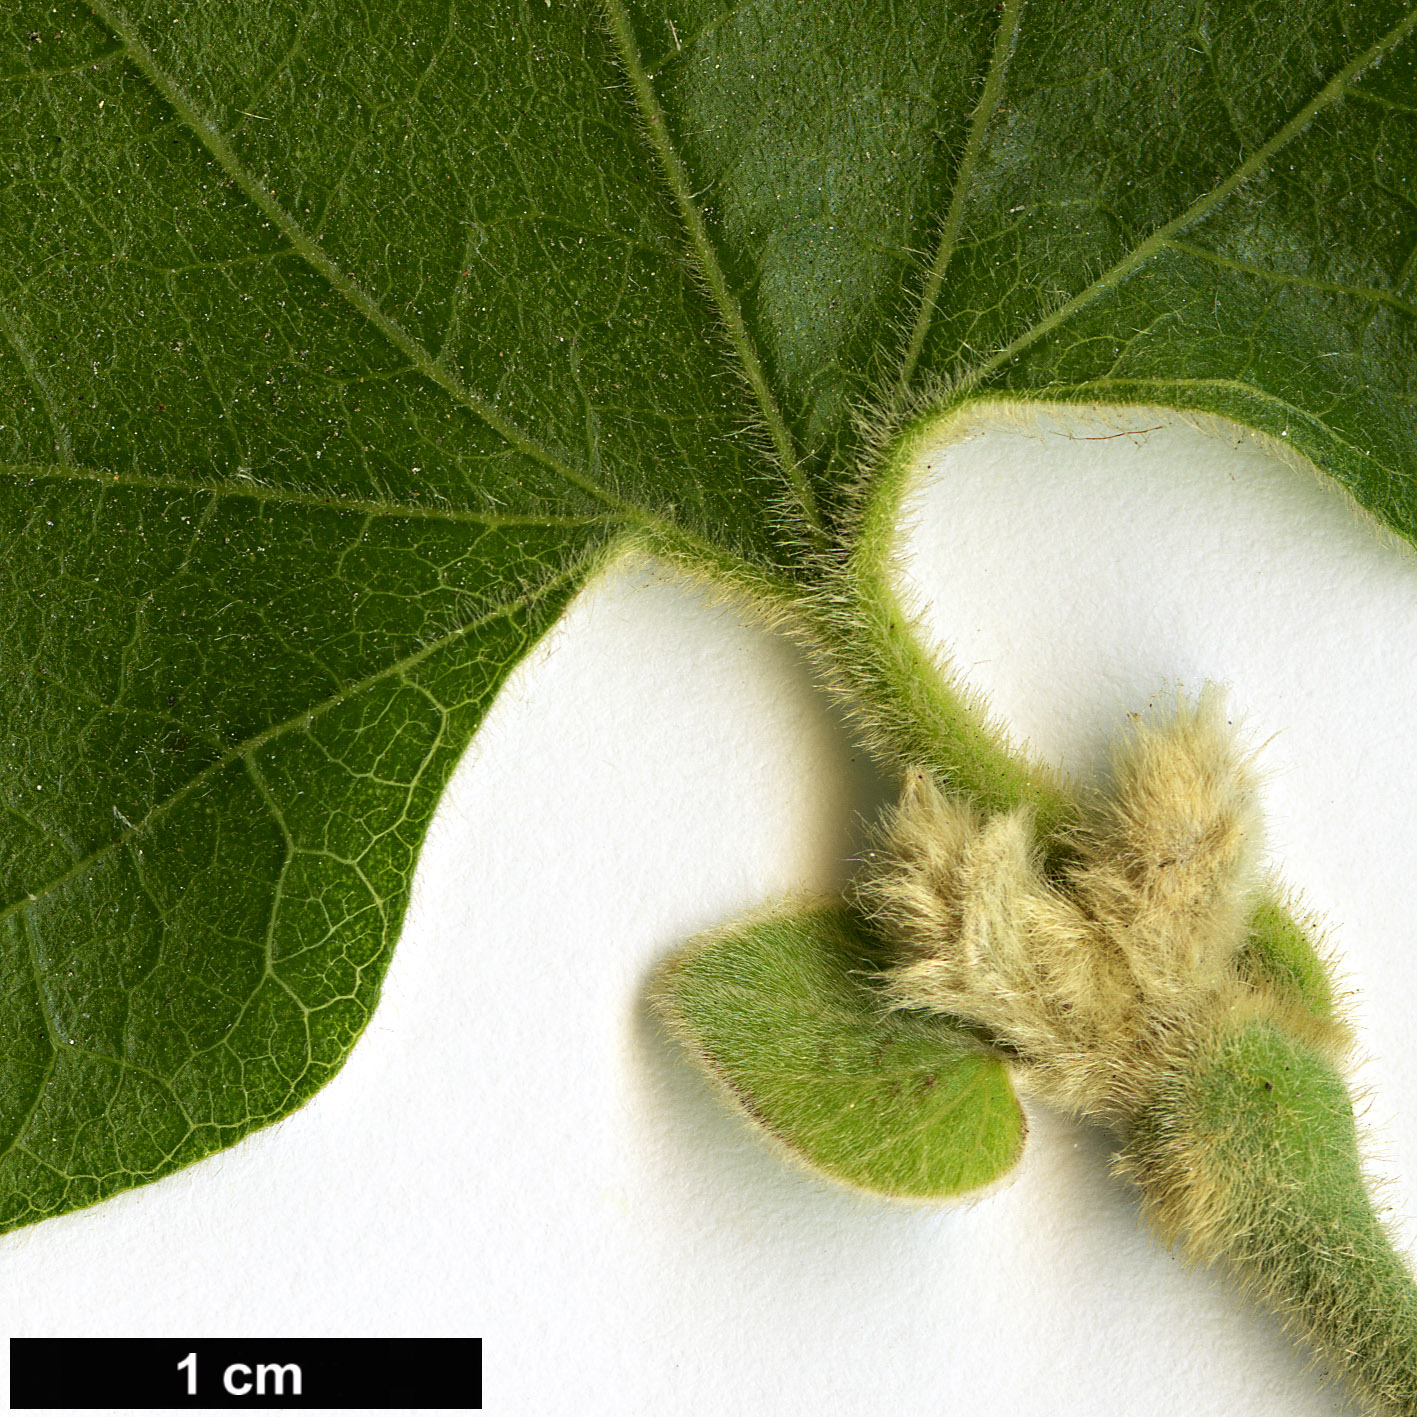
298	721
318	259
656	536
54	71
1302	415
41	1088
1333	287
1139	254
729	310
265	492
984	112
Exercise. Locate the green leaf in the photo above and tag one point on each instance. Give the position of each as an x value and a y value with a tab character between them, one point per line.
780	1012
340	345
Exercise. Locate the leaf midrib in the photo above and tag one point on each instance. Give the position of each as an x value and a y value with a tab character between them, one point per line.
676	178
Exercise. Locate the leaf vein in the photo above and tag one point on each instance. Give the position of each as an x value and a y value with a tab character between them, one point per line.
1330	94
1333	287
730	312
315	256
984	110
1302	415
15	1143
296	722
54	71
37	381
265	492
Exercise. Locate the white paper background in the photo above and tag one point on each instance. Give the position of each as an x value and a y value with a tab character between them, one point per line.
513	1151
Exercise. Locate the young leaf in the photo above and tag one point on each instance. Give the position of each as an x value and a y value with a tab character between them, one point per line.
779	1012
339	347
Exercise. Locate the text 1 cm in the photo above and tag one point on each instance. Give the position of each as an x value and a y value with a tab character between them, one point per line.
240	1380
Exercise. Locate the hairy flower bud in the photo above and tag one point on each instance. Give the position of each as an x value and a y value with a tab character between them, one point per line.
1102	976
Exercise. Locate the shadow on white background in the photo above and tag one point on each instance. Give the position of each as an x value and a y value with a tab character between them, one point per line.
514	1151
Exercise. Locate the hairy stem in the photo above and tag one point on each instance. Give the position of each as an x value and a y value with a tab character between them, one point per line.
1246	1152
1251	1155
915	715
1252	1158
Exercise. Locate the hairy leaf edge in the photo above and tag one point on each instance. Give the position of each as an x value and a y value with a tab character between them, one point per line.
659	994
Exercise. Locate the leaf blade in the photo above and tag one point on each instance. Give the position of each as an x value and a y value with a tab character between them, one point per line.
777	1010
400	303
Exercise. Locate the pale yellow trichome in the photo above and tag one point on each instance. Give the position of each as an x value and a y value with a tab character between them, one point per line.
1106	970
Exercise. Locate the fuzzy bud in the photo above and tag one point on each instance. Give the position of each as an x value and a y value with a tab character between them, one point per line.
1100	979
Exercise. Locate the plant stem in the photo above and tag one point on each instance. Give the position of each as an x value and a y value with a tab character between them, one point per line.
892	677
1251	1157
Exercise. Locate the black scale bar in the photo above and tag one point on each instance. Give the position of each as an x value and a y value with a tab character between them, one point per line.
415	1374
